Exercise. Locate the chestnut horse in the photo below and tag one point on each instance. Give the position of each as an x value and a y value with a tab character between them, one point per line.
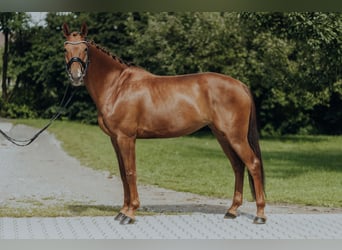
134	103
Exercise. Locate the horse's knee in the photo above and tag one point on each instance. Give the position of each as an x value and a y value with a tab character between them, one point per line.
131	176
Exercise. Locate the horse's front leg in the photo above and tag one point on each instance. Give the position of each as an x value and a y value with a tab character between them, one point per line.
125	206
126	147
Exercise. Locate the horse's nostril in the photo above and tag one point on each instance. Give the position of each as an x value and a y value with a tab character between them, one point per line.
77	81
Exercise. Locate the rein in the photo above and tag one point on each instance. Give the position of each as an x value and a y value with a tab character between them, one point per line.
23	143
62	106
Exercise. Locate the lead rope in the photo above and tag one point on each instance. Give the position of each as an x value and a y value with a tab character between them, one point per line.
23	143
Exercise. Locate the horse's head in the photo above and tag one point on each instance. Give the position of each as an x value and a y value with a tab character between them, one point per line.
76	54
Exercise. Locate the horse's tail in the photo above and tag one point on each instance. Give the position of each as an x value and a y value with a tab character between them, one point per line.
253	140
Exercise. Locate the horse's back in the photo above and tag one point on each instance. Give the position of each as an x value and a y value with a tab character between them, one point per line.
169	106
211	89
200	93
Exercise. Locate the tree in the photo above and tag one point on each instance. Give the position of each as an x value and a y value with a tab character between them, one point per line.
10	22
38	58
188	42
291	61
298	60
4	27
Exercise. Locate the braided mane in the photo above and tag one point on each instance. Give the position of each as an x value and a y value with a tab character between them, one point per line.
114	57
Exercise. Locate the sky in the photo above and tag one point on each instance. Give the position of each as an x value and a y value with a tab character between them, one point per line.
38	17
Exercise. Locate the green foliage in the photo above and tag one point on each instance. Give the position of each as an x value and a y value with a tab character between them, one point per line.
181	43
300	72
12	110
10	24
291	61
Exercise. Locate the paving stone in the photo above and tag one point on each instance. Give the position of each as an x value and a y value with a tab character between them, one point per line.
194	226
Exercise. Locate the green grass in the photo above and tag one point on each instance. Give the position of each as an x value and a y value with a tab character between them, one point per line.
65	210
299	169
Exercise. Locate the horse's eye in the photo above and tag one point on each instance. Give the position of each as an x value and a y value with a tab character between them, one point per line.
86	49
65	50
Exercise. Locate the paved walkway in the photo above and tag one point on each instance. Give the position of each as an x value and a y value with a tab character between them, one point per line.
43	172
194	226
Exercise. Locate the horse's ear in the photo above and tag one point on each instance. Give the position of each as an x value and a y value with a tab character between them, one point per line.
66	30
84	30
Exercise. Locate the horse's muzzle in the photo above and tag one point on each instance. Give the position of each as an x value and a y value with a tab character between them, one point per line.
78	75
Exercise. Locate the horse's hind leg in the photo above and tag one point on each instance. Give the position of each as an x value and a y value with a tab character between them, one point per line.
253	163
239	169
237	139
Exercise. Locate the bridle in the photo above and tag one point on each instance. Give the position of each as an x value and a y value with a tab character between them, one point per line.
84	65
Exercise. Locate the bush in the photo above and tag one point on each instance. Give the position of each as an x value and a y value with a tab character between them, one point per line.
83	111
12	110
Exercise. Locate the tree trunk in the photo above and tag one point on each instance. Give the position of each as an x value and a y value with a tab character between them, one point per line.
4	67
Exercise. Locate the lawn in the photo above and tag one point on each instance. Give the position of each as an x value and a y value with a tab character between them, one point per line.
299	169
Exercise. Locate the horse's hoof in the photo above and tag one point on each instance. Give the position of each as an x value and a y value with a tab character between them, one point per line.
259	220
127	220
229	215
119	217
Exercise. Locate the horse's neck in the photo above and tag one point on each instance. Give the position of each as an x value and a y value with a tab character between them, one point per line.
101	76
